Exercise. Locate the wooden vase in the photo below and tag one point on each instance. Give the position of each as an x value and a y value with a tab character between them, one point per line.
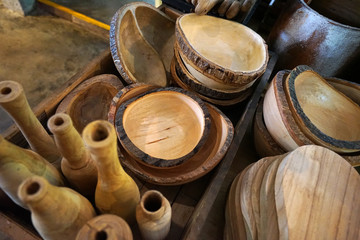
13	100
153	215
17	164
106	226
116	192
56	212
77	165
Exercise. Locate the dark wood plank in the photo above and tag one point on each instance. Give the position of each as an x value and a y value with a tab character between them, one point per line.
11	230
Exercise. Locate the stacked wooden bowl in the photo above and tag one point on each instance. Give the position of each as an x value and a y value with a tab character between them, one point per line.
301	108
168	136
309	193
218	59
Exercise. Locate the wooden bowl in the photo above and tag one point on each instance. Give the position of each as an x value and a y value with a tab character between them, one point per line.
214	149
141	42
325	115
223	50
90	100
163	127
219	102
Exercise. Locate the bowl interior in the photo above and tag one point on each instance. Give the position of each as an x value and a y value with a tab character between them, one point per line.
166	124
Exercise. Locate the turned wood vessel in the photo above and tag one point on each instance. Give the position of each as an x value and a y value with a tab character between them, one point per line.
214	149
56	212
313	102
13	100
105	227
153	215
90	100
141	43
225	51
163	127
76	165
116	192
17	164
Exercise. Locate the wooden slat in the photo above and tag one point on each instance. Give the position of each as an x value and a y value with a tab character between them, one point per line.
11	230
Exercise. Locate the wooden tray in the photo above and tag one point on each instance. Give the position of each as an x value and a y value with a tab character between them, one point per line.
198	207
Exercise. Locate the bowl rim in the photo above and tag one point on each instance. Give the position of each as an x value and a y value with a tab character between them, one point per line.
147	159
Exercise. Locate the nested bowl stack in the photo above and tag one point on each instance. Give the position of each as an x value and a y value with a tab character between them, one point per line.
218	59
174	168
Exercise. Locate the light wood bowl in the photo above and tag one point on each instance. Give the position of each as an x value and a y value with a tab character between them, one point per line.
163	127
223	50
141	43
325	115
214	149
90	100
219	102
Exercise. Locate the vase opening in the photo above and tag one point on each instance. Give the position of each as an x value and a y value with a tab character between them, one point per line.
33	188
153	202
58	121
6	90
100	133
101	235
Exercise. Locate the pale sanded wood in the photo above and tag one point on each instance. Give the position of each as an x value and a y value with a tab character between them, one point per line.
219	102
214	48
141	42
163	127
313	102
214	149
125	94
90	100
317	195
350	89
204	6
106	226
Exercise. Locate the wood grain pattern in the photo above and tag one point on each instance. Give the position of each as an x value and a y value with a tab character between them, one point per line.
316	195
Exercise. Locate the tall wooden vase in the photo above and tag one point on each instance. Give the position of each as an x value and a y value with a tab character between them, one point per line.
13	100
153	215
57	213
116	192
106	226
76	164
17	164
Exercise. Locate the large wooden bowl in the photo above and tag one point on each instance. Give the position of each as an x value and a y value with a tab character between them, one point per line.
163	127
90	101
141	42
223	50
325	115
214	149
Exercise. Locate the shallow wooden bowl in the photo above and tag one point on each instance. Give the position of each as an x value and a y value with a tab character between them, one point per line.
223	50
90	100
141	42
163	127
207	158
219	102
325	115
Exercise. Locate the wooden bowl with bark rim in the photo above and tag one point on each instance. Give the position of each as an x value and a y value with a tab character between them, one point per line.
141	43
223	50
325	115
163	127
187	78
206	159
90	100
218	102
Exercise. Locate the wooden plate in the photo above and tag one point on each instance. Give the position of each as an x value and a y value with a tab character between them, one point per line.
225	51
316	195
214	149
90	100
314	102
163	127
141	42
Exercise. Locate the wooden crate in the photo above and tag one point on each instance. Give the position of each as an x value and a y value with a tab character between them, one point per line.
197	207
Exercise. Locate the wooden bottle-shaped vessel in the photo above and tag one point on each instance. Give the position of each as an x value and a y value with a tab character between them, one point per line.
57	213
153	215
17	164
13	100
116	192
76	164
106	226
